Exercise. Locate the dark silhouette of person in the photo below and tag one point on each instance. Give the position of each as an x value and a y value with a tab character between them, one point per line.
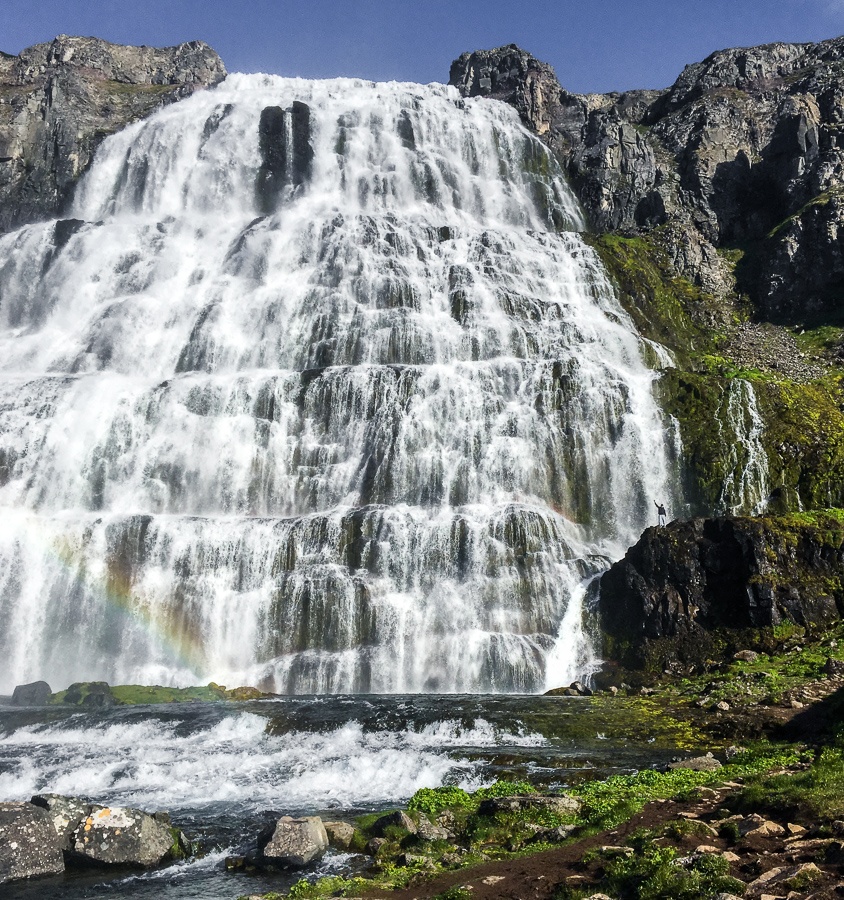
660	512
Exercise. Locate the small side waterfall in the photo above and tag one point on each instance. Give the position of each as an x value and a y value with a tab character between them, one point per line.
318	390
746	486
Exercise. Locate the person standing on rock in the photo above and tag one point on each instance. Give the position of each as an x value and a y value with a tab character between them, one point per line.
660	513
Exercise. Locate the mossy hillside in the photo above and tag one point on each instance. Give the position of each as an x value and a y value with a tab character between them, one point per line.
804	423
803	435
665	308
86	694
791	662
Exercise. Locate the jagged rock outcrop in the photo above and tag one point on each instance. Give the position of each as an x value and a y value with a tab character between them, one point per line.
696	588
60	99
515	77
745	150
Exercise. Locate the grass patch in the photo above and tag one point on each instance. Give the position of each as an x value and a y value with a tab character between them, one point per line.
613	801
655	873
816	794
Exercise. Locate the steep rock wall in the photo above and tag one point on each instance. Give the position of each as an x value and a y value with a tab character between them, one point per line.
697	588
745	150
58	100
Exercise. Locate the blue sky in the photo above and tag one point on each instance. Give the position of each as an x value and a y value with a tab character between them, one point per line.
595	45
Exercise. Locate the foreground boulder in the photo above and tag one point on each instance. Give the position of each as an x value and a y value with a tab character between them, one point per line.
700	588
65	813
292	843
29	845
35	694
340	834
121	837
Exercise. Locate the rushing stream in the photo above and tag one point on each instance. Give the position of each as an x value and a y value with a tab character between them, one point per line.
317	390
224	770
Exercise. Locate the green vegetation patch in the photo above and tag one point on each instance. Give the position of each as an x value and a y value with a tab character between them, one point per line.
610	802
87	694
662	306
815	795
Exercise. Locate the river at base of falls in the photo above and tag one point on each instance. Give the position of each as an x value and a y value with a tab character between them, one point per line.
223	771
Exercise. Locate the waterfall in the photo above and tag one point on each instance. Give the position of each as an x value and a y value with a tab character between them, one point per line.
746	485
319	390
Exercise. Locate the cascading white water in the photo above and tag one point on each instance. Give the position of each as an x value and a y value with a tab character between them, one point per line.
374	440
746	485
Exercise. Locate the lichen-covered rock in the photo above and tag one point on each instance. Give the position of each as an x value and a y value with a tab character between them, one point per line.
35	694
692	582
293	843
58	100
121	837
29	845
66	813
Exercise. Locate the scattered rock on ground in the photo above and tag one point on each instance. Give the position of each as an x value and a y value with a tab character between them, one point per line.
706	763
562	803
397	819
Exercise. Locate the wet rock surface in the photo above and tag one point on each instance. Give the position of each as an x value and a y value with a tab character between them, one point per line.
53	831
35	694
29	845
58	100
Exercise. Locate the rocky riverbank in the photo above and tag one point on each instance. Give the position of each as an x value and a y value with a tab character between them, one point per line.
52	833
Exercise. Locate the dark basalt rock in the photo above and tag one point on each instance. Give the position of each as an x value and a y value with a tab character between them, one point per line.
58	100
29	845
35	694
121	837
286	154
699	587
95	694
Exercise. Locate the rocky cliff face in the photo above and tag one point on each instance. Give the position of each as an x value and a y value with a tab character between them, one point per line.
745	151
696	588
59	100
